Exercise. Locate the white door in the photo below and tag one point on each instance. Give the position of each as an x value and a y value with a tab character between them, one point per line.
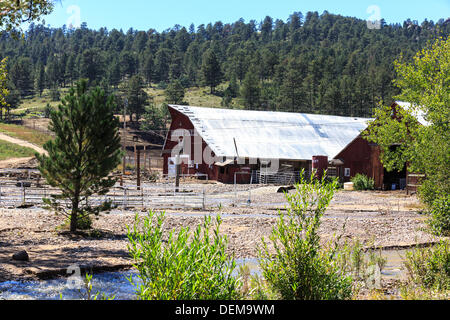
172	167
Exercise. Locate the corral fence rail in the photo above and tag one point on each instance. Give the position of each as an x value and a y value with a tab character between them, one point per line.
16	194
277	178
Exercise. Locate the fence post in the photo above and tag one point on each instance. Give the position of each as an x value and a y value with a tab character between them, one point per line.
203	200
124	197
23	193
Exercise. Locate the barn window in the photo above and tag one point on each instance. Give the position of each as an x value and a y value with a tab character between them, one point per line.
347	172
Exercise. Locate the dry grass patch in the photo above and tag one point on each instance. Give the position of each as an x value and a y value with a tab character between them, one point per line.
20	132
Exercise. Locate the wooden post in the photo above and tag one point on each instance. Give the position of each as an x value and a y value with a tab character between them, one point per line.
177	179
138	168
144	169
135	156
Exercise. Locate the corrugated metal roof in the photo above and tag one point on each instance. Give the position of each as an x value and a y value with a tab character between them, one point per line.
272	135
416	112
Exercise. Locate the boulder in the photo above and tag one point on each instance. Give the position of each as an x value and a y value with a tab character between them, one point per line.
285	189
21	256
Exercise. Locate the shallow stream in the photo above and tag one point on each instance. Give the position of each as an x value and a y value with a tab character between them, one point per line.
116	283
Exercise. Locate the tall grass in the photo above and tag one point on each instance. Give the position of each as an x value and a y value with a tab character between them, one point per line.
24	133
10	150
182	266
300	268
430	267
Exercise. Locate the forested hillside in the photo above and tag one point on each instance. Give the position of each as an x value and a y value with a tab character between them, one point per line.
310	63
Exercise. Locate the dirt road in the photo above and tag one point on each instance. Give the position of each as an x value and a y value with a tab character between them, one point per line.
22	143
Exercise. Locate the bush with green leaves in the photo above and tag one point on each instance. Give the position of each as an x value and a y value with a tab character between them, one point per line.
300	268
439	221
429	268
184	265
363	183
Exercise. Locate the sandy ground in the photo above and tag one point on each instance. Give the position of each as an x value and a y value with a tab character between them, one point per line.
388	219
14	162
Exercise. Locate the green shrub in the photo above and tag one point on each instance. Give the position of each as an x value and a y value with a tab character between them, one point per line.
429	268
55	94
301	269
439	221
48	109
84	223
183	266
362	182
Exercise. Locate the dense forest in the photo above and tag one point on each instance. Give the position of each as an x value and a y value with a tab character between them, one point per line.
311	63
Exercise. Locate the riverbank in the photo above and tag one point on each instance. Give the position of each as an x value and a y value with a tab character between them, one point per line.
52	251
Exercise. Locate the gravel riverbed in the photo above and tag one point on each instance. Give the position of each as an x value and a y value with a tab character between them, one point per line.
382	219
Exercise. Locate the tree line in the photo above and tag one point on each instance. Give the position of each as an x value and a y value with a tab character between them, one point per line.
311	63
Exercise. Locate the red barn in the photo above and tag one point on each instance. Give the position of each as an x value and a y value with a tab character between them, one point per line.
242	146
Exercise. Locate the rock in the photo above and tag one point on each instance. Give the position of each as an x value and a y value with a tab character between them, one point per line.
285	189
21	256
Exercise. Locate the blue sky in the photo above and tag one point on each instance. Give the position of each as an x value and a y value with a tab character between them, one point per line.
160	14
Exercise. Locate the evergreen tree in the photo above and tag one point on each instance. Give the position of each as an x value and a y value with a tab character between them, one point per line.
175	93
13	99
85	150
128	65
266	29
154	119
211	70
21	75
136	96
251	90
92	65
335	47
149	69
292	90
70	72
114	73
162	63
39	79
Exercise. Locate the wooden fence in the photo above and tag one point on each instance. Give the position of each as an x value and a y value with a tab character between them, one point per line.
24	193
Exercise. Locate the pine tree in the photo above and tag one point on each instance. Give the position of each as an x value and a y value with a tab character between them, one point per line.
22	76
85	150
266	29
211	70
12	99
175	93
251	90
39	79
292	90
148	69
137	98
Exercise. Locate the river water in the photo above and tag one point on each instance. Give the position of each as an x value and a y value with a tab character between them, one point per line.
111	284
117	284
